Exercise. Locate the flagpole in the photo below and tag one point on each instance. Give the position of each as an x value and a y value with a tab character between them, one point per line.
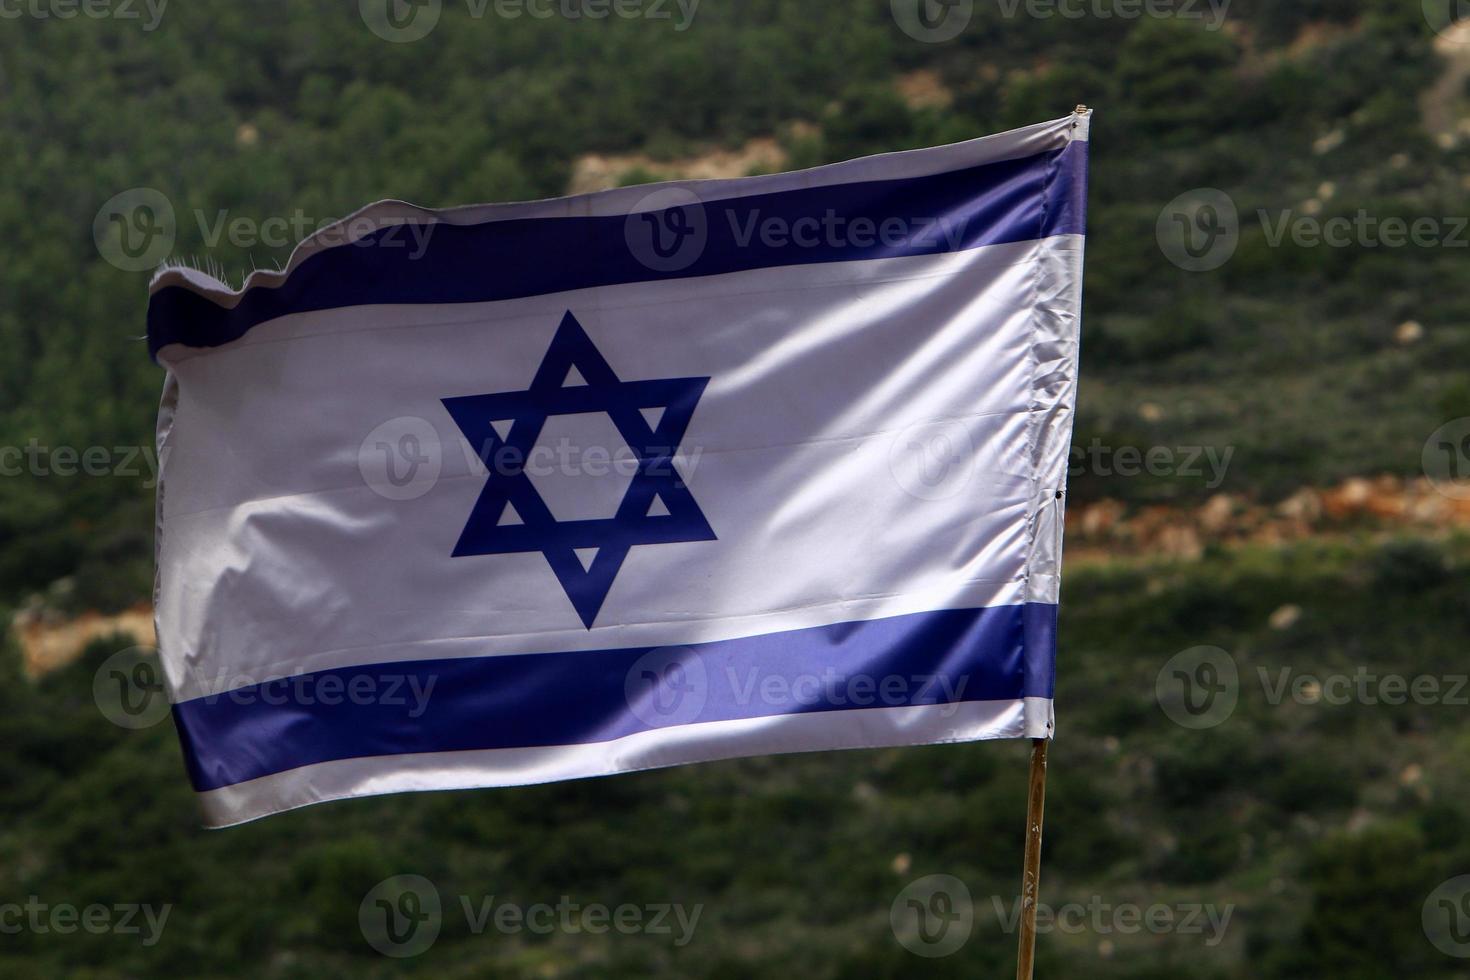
1035	808
1031	875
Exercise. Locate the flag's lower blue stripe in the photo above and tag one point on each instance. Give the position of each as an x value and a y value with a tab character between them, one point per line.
1007	201
999	653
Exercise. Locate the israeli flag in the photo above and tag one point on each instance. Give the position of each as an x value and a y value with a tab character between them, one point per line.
514	493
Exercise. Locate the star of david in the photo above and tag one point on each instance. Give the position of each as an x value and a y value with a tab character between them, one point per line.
511	516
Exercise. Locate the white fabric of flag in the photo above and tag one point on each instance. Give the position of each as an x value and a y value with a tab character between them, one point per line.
514	493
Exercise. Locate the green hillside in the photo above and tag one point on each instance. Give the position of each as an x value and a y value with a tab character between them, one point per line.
1300	818
297	112
1323	828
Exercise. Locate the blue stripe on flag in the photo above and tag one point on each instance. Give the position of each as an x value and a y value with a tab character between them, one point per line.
949	656
1008	201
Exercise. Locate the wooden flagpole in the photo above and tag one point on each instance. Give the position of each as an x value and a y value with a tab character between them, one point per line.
1031	875
1035	808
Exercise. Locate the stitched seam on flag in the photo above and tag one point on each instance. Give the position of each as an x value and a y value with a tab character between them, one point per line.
251	339
168	403
1043	324
1033	428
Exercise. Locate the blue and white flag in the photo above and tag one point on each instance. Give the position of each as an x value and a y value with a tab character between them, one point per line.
515	493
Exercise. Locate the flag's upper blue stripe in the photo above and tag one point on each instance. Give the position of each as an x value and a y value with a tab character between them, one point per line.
1007	201
959	655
